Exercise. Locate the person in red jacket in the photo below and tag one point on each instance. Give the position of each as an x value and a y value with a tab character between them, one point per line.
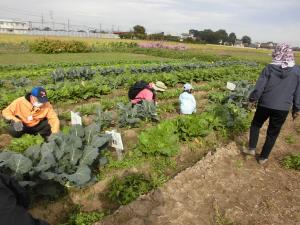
146	92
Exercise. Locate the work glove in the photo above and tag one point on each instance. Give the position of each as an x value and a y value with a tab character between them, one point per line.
18	126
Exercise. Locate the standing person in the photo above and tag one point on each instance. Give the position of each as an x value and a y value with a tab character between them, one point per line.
32	114
143	91
187	100
276	91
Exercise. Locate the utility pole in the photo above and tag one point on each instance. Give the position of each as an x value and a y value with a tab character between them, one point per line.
100	26
42	21
30	25
112	28
68	25
51	17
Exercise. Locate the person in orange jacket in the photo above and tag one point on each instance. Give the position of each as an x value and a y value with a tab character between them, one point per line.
32	114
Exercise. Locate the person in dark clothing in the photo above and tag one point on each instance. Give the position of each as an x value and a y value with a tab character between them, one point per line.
276	91
14	201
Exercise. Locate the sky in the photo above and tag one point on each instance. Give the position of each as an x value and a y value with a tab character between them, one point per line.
264	20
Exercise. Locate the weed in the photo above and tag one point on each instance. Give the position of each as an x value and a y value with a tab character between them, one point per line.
290	139
220	218
292	161
21	144
83	218
125	190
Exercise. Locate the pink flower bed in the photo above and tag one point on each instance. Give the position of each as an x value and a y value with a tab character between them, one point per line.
162	45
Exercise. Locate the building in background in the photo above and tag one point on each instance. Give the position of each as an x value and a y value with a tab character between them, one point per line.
185	36
13	26
268	45
239	43
21	27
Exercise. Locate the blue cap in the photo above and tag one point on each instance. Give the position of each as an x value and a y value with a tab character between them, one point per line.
40	94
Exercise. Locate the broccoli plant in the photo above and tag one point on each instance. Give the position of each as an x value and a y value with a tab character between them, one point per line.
2	82
128	115
58	75
66	159
131	115
21	82
241	94
103	119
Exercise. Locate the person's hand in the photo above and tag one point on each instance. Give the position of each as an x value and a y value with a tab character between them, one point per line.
251	104
18	126
295	115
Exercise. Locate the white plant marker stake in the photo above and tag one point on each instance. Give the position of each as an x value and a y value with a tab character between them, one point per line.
230	86
75	118
117	143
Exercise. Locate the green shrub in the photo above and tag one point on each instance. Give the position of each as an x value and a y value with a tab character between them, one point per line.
23	143
125	190
292	162
162	139
50	46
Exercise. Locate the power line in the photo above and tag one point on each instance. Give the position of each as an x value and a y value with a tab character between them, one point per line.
43	22
17	10
17	13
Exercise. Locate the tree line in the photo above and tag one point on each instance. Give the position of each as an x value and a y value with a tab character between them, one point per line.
206	36
217	37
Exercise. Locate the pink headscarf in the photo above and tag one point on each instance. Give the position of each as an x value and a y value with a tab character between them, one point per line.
283	55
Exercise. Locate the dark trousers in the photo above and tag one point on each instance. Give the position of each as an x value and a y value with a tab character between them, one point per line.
277	118
43	128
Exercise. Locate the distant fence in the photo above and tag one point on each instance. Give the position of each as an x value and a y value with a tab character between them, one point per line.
60	33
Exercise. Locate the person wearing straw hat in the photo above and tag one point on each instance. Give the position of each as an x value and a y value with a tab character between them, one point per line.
276	91
143	91
187	100
32	114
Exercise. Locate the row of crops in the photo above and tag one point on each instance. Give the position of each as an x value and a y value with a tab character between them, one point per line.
69	159
79	156
81	89
34	67
88	73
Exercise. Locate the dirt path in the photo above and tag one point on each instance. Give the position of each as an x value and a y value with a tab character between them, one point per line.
225	188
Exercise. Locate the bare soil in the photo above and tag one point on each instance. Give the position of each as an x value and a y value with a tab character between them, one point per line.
5	140
221	188
226	187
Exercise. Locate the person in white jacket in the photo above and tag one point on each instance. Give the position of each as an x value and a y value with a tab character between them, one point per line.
187	100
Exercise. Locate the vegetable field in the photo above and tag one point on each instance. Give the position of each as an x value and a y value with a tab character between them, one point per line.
75	177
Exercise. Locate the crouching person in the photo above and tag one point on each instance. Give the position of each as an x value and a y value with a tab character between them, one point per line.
143	91
32	114
187	100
